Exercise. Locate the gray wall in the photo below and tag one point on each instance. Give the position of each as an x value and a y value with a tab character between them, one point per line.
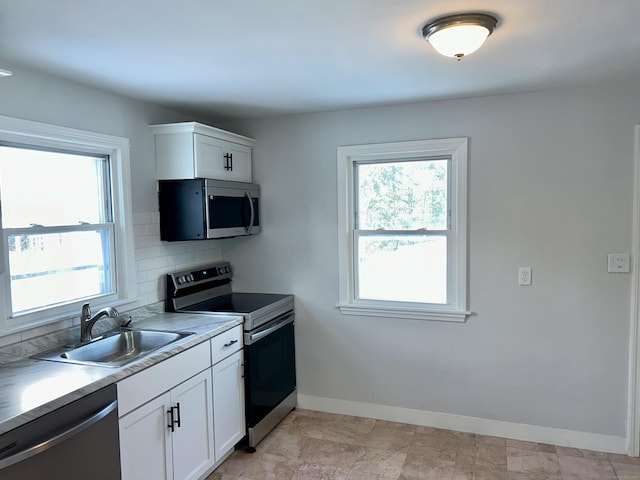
550	187
32	95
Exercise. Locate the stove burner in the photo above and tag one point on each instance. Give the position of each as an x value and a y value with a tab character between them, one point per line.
208	290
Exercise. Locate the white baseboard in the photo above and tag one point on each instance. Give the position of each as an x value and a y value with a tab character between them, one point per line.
517	431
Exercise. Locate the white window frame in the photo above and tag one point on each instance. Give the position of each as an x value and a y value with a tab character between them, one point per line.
38	134
348	156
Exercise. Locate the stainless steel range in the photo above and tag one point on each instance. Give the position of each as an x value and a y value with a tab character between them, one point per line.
269	351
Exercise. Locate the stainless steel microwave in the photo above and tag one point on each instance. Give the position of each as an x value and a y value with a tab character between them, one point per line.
199	209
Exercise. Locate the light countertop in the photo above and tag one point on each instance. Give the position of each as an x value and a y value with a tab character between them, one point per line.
30	388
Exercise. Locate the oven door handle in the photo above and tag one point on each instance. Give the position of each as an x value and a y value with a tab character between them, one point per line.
250	338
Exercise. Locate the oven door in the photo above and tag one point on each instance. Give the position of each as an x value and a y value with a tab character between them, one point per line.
270	367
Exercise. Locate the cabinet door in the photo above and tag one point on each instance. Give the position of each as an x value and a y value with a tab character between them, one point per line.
193	447
240	162
228	403
145	443
209	157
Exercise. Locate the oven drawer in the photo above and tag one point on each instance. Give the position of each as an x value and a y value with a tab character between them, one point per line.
225	344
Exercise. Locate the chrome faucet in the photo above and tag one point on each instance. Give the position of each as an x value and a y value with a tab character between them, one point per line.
87	322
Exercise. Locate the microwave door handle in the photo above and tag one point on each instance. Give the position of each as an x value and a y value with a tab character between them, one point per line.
253	213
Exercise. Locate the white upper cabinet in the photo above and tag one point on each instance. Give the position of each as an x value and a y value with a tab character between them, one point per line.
193	150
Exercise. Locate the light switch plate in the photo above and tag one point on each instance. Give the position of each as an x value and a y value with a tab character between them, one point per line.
618	263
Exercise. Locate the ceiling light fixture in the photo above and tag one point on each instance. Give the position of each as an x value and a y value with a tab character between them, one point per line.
5	73
459	35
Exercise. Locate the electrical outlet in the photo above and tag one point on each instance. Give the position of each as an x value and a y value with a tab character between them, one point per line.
524	276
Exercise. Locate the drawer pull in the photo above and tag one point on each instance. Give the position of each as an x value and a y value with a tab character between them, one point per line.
230	343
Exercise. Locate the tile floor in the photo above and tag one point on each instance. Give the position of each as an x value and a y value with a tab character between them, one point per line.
313	445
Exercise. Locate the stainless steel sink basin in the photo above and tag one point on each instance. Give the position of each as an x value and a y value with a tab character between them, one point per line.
114	349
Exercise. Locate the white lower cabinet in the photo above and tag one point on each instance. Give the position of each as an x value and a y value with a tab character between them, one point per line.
193	443
145	447
228	403
171	436
180	418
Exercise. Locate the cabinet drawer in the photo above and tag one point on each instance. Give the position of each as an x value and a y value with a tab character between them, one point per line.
141	387
225	344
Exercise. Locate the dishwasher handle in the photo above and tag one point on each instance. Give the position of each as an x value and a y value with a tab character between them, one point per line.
56	439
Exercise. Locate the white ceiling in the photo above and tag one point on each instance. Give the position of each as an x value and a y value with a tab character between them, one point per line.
229	59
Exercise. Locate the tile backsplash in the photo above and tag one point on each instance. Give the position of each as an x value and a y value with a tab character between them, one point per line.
154	259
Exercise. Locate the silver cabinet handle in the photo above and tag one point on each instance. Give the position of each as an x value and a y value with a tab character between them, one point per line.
61	437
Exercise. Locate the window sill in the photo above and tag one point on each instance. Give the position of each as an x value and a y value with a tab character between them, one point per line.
459	316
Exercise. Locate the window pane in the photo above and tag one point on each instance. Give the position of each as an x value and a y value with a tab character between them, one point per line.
55	268
405	195
52	188
402	268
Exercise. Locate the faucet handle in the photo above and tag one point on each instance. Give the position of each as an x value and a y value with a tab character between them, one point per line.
86	311
125	320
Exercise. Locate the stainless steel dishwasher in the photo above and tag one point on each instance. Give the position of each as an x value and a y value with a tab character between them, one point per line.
77	441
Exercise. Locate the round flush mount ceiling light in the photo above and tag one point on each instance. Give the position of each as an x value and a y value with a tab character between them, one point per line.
459	35
5	73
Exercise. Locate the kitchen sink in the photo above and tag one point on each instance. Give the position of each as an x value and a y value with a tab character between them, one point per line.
114	349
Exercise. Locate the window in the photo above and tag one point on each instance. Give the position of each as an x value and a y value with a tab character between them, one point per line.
66	227
402	229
